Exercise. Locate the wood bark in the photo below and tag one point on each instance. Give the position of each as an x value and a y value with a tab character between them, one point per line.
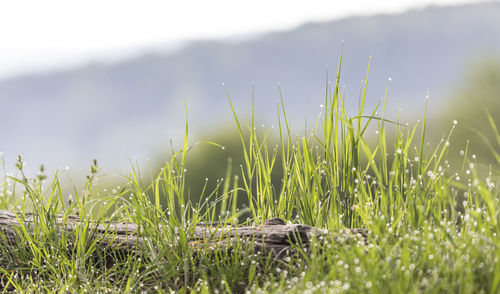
274	236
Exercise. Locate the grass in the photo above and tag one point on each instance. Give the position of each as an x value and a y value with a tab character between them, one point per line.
431	229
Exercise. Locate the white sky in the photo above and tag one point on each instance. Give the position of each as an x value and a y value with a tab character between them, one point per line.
43	35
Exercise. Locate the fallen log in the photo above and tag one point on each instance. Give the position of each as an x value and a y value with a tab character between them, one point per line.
273	236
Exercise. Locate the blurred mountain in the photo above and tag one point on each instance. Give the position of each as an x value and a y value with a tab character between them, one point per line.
75	115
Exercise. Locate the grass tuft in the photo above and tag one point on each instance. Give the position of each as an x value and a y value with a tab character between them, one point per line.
431	228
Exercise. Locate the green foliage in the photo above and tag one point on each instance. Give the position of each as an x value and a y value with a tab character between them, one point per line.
210	166
475	105
432	228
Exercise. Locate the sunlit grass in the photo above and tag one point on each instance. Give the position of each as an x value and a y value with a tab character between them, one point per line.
431	228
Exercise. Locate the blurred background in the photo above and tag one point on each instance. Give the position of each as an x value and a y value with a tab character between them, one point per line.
110	79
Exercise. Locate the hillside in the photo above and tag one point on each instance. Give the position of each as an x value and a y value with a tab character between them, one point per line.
138	104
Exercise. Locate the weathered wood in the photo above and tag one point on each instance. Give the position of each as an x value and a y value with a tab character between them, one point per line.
274	235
